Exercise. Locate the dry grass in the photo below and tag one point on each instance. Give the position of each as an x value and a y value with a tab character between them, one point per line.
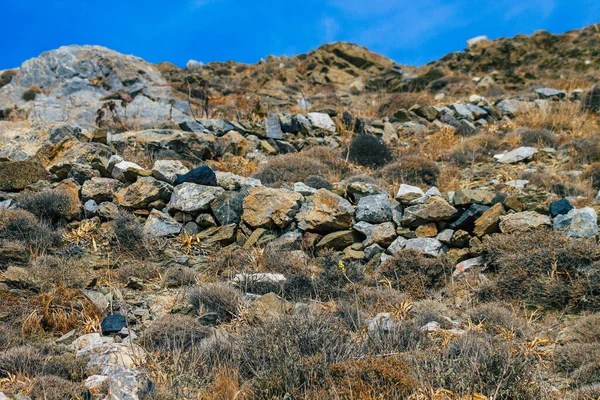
565	119
235	164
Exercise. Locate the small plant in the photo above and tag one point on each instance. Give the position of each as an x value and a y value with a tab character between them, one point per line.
52	206
318	182
368	151
413	170
174	332
22	226
128	231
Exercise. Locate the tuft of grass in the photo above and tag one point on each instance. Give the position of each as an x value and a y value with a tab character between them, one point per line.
221	299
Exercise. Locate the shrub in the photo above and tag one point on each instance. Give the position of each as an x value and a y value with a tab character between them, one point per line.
579	361
474	149
415	273
413	170
371	378
591	99
583	150
179	276
31	93
332	280
497	319
368	151
24	360
21	225
52	271
535	137
218	298
477	363
52	206
128	231
318	182
285	356
545	269
56	388
173	332
592	174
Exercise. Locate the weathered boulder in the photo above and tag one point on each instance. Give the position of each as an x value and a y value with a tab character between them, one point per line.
433	210
428	246
17	175
270	208
228	207
234	143
374	209
516	155
168	170
100	189
465	197
160	224
338	240
143	192
126	171
489	220
523	221
382	234
218	235
321	121
580	223
407	193
325	212
560	207
192	198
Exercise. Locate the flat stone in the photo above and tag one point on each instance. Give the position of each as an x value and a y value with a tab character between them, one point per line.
465	197
321	121
547	93
100	189
523	221
143	192
489	220
434	210
218	235
126	171
407	193
517	155
338	240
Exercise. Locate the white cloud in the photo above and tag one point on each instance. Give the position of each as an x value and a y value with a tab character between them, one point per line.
330	28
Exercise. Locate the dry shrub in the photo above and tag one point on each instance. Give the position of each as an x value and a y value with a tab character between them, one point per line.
173	332
413	170
286	356
449	178
371	378
414	273
583	150
397	101
585	330
579	362
55	388
334	281
218	298
591	99
543	268
541	137
52	271
23	226
476	363
437	145
23	360
368	151
128	231
298	167
60	311
31	93
318	182
474	149
52	206
497	319
592	174
564	118
179	276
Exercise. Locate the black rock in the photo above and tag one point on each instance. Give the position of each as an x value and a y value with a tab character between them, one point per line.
201	176
191	126
560	207
466	222
113	324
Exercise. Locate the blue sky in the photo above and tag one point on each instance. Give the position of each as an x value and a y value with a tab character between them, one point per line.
410	32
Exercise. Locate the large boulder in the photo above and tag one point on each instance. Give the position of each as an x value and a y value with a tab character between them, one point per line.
168	170
192	198
143	192
100	189
228	207
489	220
321	121
325	212
465	197
374	209
17	175
200	176
270	208
435	209
429	246
523	221
581	223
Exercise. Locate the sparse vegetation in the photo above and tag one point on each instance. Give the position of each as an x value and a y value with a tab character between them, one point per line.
368	151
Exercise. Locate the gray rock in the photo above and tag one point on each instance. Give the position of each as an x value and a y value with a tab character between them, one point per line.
374	209
160	224
304	189
321	121
228	207
373	251
407	193
364	227
192	198
428	246
477	111
397	246
167	170
523	221
580	223
514	156
90	208
462	112
547	93
273	127
126	171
